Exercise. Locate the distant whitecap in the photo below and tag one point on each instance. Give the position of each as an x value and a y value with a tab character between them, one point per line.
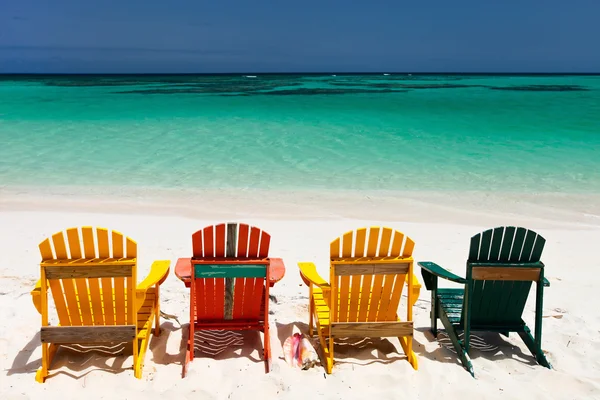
386	74
250	76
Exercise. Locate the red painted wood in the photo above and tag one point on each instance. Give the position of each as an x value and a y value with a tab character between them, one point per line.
254	242
220	240
265	240
243	241
208	241
197	244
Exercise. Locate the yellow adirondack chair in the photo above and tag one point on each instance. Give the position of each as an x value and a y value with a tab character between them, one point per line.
92	277
368	268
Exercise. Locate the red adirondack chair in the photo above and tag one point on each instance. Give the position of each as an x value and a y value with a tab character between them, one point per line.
229	282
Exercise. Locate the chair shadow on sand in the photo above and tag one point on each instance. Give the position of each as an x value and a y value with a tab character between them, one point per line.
354	351
77	361
488	345
223	344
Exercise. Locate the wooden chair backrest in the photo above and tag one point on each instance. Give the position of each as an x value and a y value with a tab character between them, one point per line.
91	273
229	272
368	269
503	262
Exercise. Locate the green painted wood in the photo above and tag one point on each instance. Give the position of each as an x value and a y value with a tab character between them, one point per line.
538	247
484	247
474	248
507	241
230	271
230	251
515	254
528	246
497	237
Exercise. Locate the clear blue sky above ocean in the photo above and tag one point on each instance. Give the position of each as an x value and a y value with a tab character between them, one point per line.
179	36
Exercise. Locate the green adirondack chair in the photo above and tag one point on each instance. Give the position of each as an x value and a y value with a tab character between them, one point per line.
503	262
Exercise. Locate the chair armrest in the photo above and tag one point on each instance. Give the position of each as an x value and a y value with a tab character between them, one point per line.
546	283
431	271
310	276
158	273
36	296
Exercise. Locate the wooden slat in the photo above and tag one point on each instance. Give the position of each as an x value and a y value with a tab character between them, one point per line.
257	297
265	241
231	243
219	306
197	244
86	263
355	284
74	243
397	244
96	300
496	246
515	254
375	269
46	250
538	247
230	271
372	329
220	240
528	246
238	298
248	293
373	240
59	302
131	248
486	244
375	296
334	248
361	239
120	310
409	246
230	251
386	296
507	241
395	299
208	295
130	301
344	297
58	240
107	301
347	244
103	246
243	235
72	303
365	295
87	271
200	303
384	245
117	245
254	242
87	235
505	274
474	247
84	301
87	334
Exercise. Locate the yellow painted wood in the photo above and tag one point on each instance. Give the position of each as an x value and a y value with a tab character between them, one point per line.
74	244
375	296
59	302
85	303
344	289
360	242
355	284
72	303
108	301
103	248
87	235
46	250
365	297
120	310
58	240
96	298
409	245
131	248
117	245
386	295
334	248
384	246
397	244
373	239
347	244
395	298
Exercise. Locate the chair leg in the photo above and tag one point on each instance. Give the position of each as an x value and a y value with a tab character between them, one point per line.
460	349
434	311
329	358
48	352
310	316
189	354
534	348
267	351
157	312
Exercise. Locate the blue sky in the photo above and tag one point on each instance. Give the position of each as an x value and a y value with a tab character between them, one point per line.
128	36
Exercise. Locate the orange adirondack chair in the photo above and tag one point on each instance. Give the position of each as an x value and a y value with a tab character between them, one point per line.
229	282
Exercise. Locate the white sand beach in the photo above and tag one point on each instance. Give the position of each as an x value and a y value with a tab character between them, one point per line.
301	226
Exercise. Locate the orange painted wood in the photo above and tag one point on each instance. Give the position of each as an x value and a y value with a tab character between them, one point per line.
248	293
208	242
197	244
243	235
238	298
200	303
208	297
265	241
220	240
254	242
219	302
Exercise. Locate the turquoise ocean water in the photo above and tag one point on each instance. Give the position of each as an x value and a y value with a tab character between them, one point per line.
356	132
